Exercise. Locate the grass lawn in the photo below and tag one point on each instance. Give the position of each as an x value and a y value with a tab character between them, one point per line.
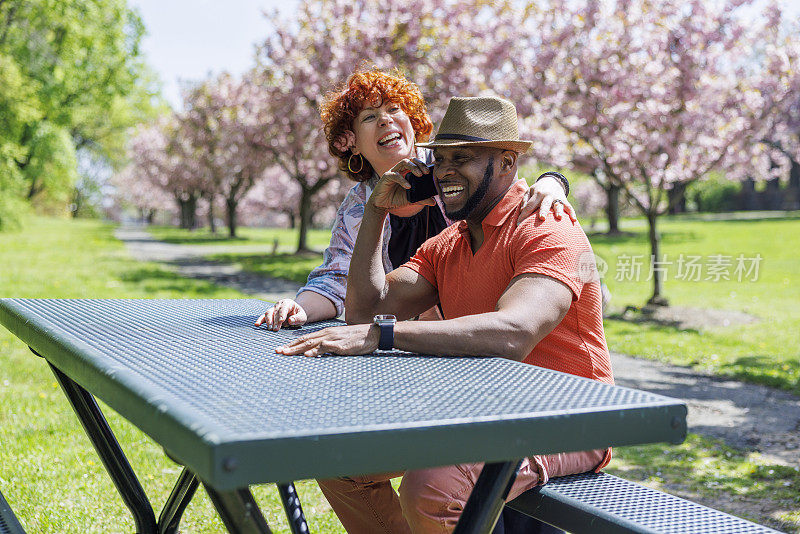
287	239
49	472
54	481
766	351
289	266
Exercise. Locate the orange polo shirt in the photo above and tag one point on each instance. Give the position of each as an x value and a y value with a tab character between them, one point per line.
470	284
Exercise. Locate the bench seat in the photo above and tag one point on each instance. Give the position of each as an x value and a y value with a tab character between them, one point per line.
599	503
8	521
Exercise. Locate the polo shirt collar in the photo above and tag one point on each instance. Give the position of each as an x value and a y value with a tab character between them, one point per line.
503	209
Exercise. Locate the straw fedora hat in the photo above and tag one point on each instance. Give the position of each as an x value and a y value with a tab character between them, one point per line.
479	121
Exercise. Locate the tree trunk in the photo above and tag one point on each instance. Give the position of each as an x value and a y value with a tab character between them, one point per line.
772	195
212	222
305	219
182	210
749	201
657	299
292	221
677	198
230	209
151	215
612	208
793	191
187	207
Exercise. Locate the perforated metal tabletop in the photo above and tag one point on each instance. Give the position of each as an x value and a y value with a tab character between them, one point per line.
203	382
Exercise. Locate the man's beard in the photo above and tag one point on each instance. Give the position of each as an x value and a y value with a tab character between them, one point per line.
473	201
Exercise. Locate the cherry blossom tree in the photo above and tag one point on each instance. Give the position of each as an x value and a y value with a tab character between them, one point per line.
652	94
222	126
133	189
779	151
309	56
591	199
162	161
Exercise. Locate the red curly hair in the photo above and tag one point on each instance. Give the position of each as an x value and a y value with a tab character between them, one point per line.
368	87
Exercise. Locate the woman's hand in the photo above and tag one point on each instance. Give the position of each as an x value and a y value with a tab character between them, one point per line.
544	195
390	191
284	311
344	340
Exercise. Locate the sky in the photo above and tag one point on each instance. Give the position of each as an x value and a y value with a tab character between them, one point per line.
188	39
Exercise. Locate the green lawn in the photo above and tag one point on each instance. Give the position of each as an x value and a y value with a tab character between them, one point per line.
46	458
48	470
290	266
767	351
287	239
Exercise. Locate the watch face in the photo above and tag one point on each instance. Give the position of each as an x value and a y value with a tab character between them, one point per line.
385	319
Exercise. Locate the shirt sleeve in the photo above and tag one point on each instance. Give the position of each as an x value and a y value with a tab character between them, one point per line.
330	278
557	249
424	261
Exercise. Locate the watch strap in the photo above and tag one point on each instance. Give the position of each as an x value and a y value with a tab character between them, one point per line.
386	340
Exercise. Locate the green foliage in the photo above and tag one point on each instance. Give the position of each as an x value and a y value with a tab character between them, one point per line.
715	194
18	107
71	79
12	205
52	168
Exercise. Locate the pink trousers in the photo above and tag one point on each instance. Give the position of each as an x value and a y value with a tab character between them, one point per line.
431	500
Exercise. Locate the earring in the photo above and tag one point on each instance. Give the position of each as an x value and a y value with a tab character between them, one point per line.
350	164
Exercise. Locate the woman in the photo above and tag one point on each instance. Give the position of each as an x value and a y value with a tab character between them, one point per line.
373	124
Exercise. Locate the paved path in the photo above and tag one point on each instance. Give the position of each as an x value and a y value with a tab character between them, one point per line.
189	261
746	416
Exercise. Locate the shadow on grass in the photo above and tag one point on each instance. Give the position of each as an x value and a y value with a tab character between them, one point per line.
640	237
293	267
202	239
669	326
744	216
155	278
763	369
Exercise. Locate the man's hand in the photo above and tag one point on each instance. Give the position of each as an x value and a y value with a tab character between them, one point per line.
390	191
284	311
545	194
344	340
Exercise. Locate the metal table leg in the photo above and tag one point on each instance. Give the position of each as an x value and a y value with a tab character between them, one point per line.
110	453
487	498
294	513
178	500
120	470
239	511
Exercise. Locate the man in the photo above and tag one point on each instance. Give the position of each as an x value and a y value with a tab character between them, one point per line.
518	292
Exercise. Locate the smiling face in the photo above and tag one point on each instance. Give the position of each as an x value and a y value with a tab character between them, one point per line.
466	179
384	136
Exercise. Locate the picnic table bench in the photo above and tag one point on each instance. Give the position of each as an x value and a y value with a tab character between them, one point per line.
600	503
9	524
204	383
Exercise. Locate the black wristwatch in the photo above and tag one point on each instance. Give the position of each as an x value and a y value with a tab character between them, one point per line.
386	325
558	176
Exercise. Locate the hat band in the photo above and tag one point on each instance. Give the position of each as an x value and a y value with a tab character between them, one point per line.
460	137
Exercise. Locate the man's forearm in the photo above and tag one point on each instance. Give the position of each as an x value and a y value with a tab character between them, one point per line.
485	334
366	278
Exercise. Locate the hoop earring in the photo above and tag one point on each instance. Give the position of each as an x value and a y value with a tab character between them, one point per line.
350	164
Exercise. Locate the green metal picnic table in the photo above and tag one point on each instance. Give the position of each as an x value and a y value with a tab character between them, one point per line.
205	384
